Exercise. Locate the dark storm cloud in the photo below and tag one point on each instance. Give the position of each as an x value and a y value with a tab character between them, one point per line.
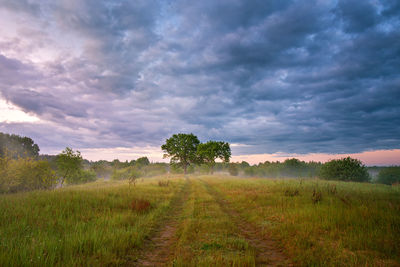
14	72
288	76
357	15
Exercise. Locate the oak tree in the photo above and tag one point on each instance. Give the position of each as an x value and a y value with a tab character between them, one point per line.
212	150
182	149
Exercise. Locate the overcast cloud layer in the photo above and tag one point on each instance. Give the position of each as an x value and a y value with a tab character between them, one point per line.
277	76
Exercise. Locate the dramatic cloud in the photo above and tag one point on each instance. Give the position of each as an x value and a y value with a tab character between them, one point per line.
272	76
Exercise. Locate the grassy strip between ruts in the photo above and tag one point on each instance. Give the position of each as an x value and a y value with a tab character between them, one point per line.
267	251
207	236
159	248
353	224
91	224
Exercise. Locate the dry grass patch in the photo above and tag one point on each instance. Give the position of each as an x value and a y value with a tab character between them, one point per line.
140	205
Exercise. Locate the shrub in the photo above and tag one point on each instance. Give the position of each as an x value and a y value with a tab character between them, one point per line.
83	176
345	169
25	174
250	171
125	173
390	175
154	169
233	170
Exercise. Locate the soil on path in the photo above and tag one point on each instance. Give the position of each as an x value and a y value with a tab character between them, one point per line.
159	250
267	252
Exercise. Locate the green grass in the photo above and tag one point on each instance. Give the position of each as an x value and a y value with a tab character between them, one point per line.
359	225
355	224
90	224
207	236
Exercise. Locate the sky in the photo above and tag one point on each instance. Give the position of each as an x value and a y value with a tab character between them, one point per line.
315	80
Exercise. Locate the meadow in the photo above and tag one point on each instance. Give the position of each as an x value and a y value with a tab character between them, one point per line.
203	221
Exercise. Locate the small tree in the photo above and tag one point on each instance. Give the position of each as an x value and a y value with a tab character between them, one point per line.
345	169
182	149
390	175
212	150
69	164
143	161
244	164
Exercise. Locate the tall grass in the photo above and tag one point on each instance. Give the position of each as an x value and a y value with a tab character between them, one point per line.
106	223
91	224
353	224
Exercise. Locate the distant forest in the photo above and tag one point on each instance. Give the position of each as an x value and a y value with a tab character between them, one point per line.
22	168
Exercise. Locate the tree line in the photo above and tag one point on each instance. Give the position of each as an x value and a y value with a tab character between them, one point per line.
16	146
23	169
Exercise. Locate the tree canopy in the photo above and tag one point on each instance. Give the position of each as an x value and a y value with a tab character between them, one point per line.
345	169
182	149
389	175
212	150
69	164
17	146
143	161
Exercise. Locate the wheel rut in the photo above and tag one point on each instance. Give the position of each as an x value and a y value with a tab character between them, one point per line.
159	250
267	252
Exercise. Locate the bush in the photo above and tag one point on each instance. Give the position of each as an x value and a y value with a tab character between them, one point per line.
25	174
390	175
250	171
233	170
82	176
125	173
154	169
345	169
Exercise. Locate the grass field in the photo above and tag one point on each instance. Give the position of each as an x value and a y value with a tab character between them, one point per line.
203	221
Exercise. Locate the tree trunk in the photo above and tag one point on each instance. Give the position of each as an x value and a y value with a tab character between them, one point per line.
185	170
63	178
211	165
